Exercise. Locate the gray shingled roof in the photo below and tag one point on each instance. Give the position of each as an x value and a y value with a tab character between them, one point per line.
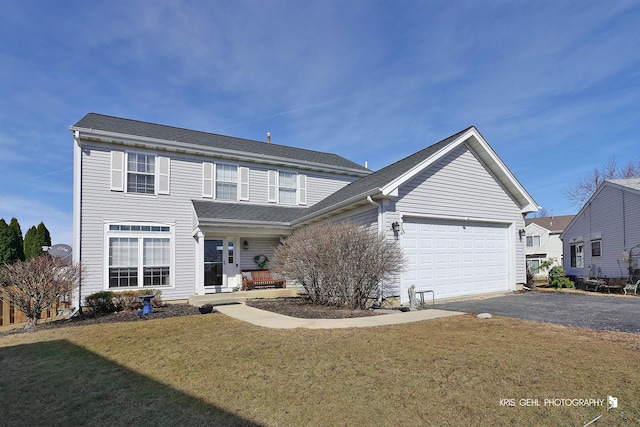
551	223
627	182
364	186
215	210
168	133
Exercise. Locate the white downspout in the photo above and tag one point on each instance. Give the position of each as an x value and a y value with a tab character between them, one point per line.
76	299
379	206
380	228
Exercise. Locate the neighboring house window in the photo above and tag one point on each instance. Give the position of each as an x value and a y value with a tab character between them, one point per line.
533	265
139	256
139	173
226	182
577	259
596	248
533	241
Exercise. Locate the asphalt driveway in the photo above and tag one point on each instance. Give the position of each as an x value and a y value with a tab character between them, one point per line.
596	311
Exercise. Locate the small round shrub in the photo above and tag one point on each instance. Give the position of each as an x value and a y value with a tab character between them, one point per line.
101	302
558	278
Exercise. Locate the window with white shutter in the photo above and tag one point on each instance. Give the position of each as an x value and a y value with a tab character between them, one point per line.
273	186
302	189
244	183
164	167
117	171
207	180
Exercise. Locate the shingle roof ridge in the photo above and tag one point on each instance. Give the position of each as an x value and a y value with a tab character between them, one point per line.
150	127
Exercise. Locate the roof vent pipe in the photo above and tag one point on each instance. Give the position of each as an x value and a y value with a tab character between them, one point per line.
268	137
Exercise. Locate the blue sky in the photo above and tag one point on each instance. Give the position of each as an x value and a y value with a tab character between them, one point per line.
553	86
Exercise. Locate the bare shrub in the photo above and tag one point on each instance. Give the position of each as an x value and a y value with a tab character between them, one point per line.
341	264
38	284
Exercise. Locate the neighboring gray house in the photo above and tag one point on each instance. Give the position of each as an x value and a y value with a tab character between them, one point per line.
603	240
186	211
543	242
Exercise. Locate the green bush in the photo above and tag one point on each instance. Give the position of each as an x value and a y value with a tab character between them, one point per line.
558	278
101	302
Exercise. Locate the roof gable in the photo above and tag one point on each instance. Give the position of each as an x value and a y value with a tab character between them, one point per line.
630	184
386	181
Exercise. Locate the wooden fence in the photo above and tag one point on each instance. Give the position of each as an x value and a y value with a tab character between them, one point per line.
9	315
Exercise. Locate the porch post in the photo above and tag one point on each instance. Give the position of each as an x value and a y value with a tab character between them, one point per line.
199	258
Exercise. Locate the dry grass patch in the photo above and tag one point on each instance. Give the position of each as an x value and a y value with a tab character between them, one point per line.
213	369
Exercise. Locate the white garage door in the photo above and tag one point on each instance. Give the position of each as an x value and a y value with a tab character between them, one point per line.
454	258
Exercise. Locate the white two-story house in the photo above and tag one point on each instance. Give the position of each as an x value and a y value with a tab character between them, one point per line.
186	211
543	243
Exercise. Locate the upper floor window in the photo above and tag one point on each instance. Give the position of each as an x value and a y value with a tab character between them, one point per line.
139	173
533	241
226	182
596	248
287	188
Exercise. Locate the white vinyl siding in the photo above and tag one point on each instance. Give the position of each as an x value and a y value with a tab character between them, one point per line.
611	217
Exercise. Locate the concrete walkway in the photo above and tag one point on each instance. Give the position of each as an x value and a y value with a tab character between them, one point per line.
269	319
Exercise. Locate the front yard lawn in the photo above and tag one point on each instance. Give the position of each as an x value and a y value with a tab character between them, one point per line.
214	370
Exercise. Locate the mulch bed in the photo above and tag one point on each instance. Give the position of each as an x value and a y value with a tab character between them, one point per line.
299	307
295	307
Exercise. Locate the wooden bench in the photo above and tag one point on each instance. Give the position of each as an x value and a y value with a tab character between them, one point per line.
253	279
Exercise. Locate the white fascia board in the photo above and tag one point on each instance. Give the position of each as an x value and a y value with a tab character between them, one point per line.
502	172
196	149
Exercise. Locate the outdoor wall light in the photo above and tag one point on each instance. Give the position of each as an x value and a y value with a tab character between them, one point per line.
245	245
395	226
521	232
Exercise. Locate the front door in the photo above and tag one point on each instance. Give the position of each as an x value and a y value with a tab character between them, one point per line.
220	263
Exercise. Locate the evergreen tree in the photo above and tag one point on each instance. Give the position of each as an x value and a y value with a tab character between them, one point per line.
18	231
8	243
43	235
31	246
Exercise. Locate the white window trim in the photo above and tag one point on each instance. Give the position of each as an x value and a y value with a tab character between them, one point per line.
140	235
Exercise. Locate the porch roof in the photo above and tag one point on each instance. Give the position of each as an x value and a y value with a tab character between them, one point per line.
209	211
